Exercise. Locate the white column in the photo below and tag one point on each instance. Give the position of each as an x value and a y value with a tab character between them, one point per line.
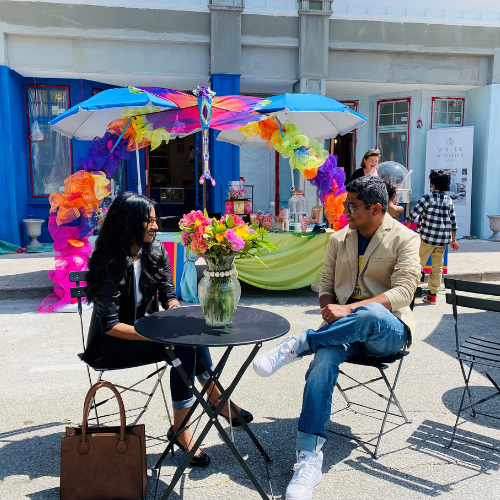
3	49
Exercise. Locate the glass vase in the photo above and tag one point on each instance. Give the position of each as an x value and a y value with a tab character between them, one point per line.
219	290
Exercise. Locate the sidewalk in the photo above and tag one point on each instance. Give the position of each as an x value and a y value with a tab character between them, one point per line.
25	275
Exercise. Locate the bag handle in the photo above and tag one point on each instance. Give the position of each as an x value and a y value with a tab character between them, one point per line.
83	445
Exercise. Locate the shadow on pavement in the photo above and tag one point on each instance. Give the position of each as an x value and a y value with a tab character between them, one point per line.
50	494
39	457
34	457
452	398
277	436
431	438
443	336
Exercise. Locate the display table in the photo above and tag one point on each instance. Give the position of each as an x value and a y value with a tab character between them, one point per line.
297	262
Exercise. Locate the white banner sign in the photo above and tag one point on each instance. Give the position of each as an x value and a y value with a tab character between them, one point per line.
451	149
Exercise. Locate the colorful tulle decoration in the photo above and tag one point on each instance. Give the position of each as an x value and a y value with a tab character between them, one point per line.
78	199
72	210
307	155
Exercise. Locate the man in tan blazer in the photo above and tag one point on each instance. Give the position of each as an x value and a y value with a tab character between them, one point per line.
368	281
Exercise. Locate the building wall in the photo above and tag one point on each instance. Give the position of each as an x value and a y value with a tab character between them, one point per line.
482	113
374	51
14	171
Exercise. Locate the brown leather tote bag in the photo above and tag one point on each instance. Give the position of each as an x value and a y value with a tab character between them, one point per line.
104	463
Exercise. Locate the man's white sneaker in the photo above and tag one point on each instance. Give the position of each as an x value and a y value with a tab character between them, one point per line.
307	476
271	361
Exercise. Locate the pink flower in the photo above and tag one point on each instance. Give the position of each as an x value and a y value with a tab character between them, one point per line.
185	239
251	231
198	245
237	243
238	220
191	218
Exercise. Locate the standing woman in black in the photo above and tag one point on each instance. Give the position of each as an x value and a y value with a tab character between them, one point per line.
368	163
129	271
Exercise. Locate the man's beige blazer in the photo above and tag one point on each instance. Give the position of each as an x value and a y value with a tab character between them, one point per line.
391	265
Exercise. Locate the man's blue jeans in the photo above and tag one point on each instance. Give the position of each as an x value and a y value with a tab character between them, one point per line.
371	329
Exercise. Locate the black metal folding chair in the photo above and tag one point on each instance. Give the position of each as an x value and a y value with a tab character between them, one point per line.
78	293
479	350
381	364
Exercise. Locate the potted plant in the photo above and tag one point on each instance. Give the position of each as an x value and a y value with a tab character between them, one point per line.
219	242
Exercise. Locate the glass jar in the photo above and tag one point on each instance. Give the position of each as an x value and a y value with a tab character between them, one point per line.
219	290
297	206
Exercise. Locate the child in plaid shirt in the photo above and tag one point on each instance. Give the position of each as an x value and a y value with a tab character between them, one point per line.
437	227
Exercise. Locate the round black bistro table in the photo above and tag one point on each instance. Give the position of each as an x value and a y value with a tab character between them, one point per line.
186	326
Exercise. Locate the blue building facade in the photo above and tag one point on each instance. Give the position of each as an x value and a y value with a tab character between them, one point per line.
34	161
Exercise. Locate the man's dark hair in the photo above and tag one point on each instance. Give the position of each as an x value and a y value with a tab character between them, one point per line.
391	188
441	180
370	190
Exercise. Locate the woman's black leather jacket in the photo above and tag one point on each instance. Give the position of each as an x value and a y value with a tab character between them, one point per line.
116	303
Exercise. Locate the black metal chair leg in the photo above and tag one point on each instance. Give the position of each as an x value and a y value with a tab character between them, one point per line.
473	412
165	402
393	391
466	390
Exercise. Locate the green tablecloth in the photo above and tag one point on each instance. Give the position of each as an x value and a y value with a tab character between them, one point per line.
296	263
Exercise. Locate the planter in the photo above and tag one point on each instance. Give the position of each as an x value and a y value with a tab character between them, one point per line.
495	227
219	290
34	230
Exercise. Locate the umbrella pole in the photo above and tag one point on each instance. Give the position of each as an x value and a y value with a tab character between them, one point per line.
204	196
139	185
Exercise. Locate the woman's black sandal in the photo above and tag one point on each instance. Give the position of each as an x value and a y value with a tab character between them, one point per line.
246	415
200	460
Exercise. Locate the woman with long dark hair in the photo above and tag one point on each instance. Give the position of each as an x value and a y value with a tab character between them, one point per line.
128	271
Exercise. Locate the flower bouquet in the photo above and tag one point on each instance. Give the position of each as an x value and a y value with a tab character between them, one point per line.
220	242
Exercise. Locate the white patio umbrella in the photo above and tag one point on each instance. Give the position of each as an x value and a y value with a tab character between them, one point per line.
320	117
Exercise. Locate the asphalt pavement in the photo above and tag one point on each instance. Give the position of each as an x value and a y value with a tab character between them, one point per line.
44	384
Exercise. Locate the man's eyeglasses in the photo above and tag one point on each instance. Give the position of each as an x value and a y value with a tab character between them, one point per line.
150	221
352	207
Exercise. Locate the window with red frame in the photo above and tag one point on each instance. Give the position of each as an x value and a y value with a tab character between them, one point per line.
393	118
447	112
50	152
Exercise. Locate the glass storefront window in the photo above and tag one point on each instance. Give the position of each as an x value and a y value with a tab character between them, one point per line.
447	112
50	151
393	130
119	178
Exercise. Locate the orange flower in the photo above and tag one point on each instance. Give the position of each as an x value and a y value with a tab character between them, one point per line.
220	237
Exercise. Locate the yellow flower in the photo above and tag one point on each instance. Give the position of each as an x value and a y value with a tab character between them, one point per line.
220	237
197	223
242	232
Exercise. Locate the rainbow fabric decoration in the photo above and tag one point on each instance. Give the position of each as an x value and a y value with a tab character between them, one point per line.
316	164
200	111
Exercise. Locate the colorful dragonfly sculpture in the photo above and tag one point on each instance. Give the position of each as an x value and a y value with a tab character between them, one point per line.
192	113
